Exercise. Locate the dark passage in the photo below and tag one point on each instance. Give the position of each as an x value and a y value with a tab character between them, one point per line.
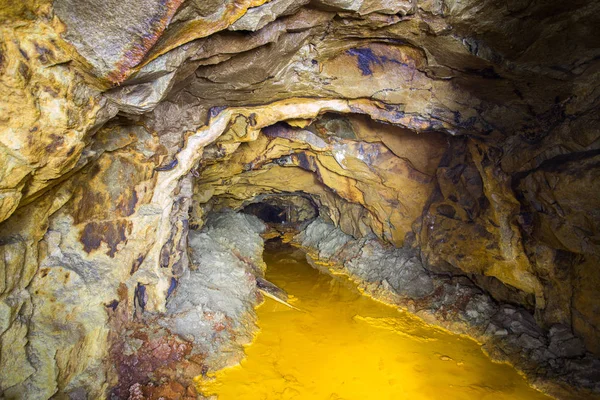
268	213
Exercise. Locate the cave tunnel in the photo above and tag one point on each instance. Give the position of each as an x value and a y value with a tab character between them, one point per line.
313	199
291	209
268	213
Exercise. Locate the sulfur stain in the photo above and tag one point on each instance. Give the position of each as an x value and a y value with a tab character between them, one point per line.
345	345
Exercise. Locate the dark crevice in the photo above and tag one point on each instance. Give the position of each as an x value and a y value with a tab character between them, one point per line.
271	214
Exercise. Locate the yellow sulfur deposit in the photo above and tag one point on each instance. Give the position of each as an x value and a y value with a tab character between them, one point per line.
344	345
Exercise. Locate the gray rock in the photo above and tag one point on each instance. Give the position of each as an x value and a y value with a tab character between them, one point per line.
584	372
529	342
370	260
213	305
240	233
564	344
517	321
95	28
143	97
324	237
258	17
399	267
480	309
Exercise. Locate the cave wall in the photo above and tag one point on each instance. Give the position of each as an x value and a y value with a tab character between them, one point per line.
467	128
382	177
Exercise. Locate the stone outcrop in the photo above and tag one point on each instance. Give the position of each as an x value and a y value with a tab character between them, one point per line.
209	314
463	131
212	304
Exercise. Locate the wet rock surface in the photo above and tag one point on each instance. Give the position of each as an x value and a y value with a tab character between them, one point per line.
552	359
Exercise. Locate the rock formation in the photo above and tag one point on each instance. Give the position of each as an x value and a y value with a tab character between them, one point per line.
455	142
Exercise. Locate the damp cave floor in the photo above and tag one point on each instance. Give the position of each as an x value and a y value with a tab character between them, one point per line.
346	345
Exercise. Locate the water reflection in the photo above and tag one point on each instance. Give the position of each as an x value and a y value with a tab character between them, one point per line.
349	346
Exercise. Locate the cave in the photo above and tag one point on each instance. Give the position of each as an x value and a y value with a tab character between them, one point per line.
268	213
299	199
283	210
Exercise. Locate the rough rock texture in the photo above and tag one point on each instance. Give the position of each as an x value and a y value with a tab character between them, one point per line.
61	276
384	190
369	260
209	314
396	275
471	221
47	114
213	304
465	130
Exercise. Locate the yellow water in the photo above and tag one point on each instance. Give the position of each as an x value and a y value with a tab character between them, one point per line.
348	346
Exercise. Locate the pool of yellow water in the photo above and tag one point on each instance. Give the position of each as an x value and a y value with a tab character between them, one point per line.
345	345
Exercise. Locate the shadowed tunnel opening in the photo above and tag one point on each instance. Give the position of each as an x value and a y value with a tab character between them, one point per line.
283	209
271	214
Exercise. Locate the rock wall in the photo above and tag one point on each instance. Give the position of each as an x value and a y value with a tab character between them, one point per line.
382	178
465	129
212	304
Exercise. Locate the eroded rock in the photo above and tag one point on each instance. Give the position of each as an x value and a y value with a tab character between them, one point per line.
213	303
